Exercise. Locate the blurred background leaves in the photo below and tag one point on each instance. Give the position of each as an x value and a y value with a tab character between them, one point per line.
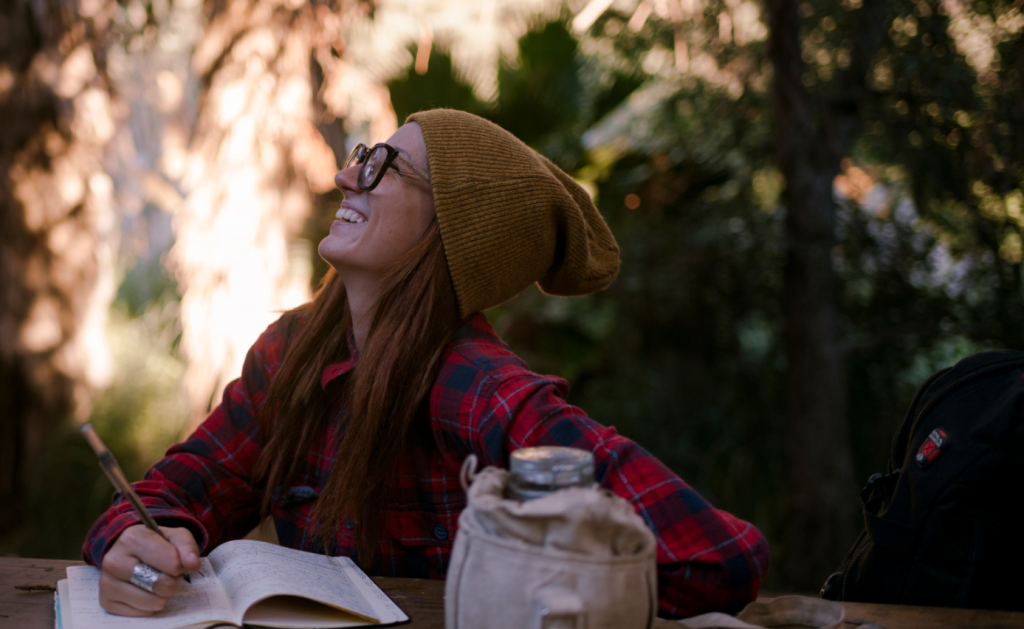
667	111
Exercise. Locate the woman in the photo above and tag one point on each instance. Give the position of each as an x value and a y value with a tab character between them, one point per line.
354	412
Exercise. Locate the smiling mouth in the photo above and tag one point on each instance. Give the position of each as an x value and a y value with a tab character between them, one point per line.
349	216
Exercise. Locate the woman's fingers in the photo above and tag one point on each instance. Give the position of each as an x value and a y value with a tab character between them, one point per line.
120	609
185	543
150	548
125	599
120	566
137	544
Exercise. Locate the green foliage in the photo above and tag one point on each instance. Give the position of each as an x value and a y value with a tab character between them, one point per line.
931	267
67	492
541	96
680	353
437	87
137	416
683	352
145	283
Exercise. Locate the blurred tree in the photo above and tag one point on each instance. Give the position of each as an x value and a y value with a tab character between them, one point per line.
782	269
930	267
283	85
929	259
56	220
947	108
137	415
256	153
859	167
816	123
928	252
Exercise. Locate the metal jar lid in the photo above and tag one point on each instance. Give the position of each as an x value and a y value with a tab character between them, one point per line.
536	472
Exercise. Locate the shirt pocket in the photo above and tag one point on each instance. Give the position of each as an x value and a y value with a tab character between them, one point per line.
292	509
422	538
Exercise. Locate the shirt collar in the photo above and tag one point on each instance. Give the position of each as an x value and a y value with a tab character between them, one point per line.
475	324
334	370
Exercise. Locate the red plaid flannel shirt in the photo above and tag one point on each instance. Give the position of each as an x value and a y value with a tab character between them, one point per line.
486	402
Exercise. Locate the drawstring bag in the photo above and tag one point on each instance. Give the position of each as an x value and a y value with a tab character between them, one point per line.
574	558
578	558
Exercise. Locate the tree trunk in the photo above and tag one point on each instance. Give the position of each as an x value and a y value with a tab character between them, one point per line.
253	153
813	133
258	160
56	217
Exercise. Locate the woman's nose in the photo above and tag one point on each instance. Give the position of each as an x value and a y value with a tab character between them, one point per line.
345	179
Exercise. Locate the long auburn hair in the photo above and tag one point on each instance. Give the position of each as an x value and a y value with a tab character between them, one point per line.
415	317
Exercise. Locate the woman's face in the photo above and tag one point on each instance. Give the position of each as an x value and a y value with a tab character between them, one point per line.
373	229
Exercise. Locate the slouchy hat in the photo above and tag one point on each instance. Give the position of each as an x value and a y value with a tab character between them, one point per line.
509	217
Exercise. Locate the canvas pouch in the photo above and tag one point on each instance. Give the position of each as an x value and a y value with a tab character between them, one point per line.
576	558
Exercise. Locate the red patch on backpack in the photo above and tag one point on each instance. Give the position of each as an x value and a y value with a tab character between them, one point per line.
932	446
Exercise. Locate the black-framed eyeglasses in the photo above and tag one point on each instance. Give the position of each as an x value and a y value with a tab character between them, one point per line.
375	161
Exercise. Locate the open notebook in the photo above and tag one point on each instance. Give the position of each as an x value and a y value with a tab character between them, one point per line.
248	582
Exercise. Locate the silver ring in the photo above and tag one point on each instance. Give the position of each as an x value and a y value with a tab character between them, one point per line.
145	576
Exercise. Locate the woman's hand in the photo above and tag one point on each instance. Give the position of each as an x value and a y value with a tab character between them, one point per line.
137	544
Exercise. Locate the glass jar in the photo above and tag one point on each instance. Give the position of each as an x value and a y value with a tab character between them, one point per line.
537	472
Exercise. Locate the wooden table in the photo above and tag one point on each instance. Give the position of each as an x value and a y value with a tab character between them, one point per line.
424	602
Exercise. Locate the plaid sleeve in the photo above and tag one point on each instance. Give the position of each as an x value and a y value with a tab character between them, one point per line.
203	483
708	560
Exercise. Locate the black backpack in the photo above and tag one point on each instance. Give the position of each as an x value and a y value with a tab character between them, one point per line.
945	525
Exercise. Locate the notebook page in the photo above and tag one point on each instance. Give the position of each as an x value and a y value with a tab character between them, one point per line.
251	571
60	606
202	601
387	610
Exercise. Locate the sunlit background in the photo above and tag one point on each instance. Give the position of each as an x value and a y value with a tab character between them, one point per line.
166	171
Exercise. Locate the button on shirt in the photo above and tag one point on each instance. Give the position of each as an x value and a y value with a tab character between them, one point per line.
485	402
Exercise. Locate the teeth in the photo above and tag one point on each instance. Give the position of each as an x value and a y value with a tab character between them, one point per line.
349	216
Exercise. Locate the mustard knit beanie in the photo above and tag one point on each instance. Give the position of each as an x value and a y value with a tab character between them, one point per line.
509	217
